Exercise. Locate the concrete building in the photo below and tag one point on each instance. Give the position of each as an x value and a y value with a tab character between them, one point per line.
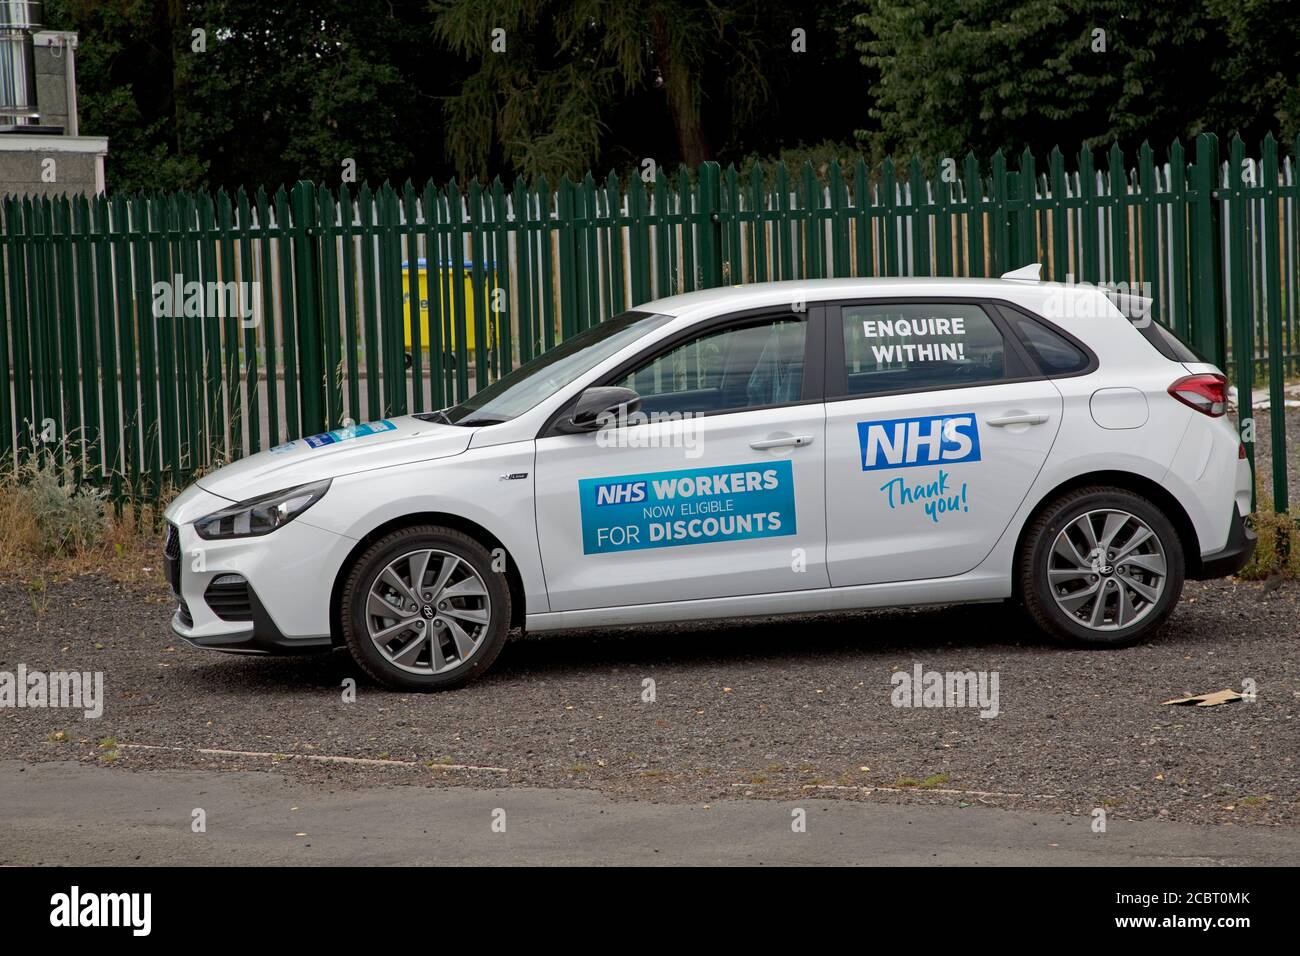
41	149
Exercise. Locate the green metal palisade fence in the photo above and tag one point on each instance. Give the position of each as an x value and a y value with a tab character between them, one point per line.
137	402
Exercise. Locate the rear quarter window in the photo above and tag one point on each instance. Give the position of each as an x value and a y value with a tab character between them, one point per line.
1167	343
1054	353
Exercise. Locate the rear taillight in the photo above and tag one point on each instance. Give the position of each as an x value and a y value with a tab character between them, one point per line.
1206	392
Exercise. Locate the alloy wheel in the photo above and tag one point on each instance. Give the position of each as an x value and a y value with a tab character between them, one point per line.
1107	569
428	611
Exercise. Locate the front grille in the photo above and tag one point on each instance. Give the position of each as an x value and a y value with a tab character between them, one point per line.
184	610
172	558
228	597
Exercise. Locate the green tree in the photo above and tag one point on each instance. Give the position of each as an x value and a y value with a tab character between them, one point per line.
268	93
124	67
1259	80
285	91
551	75
987	74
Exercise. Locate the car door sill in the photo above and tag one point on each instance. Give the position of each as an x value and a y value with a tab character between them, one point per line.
954	590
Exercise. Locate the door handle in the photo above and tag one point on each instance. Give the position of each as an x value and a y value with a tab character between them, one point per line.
796	441
1021	419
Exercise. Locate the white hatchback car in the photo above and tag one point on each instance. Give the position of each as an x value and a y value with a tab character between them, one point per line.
769	449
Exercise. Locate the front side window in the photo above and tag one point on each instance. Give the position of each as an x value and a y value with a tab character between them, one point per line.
551	371
915	347
750	366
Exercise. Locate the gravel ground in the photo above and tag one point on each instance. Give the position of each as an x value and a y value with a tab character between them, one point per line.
771	708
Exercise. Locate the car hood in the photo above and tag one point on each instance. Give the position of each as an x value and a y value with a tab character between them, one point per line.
380	444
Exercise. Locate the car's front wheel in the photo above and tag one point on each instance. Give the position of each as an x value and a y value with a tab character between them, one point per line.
423	609
1102	567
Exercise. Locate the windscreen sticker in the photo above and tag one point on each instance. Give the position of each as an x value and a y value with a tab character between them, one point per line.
665	509
934	339
340	434
909	442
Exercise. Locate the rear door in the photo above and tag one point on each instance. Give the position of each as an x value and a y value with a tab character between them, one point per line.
937	423
715	489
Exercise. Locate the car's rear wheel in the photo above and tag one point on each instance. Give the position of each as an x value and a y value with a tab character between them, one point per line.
423	609
1101	567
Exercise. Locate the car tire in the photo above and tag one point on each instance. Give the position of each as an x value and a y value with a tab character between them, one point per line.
1100	567
468	615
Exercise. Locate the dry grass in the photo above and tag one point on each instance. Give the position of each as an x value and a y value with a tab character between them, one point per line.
90	536
1278	550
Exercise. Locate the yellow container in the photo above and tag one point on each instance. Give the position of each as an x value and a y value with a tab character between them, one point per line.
447	275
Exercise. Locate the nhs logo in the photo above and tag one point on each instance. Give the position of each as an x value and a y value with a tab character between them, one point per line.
620	493
906	442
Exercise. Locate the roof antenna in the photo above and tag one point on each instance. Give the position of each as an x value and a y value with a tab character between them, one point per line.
1030	273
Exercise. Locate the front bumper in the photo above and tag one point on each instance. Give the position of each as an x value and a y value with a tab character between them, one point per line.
260	635
281	603
1234	556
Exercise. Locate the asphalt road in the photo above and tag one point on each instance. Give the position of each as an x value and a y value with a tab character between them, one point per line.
70	813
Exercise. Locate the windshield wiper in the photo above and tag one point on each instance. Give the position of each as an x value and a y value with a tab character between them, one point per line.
439	416
481	420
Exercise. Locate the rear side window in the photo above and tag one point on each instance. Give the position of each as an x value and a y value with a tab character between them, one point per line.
907	347
1054	353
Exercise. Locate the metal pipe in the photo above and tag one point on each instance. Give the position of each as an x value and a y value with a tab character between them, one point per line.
19	19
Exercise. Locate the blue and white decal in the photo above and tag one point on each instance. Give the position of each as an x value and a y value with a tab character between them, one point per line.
665	509
909	442
340	434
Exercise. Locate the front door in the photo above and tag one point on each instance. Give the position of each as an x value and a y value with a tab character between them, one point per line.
715	489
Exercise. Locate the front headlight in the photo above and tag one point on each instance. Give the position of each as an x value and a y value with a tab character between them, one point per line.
260	515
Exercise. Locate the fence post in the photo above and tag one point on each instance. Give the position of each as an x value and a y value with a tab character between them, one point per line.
1243	347
1060	258
1089	263
889	217
973	196
708	220
999	222
1178	239
1206	241
1273	316
6	413
1026	235
921	261
1149	261
306	256
1117	187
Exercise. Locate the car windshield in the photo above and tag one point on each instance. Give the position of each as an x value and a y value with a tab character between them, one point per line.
534	381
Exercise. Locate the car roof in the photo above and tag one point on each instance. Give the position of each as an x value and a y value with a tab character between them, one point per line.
761	294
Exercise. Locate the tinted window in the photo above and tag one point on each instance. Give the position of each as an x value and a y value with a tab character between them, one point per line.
1168	344
726	370
1055	354
916	347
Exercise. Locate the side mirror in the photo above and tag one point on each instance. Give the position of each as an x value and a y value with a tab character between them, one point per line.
595	403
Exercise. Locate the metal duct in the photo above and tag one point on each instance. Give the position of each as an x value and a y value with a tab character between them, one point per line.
19	19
